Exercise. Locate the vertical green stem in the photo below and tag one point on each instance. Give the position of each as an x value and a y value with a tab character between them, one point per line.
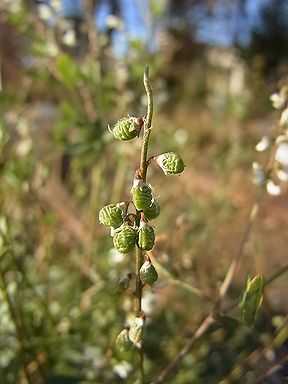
147	124
143	168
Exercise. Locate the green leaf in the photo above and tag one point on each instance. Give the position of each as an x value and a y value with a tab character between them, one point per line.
252	299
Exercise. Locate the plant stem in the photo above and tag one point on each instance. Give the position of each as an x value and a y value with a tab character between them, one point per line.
143	169
147	124
138	291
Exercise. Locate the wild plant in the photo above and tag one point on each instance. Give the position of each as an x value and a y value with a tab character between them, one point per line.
131	230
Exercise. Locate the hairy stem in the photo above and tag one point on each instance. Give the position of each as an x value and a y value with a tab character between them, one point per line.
147	124
143	169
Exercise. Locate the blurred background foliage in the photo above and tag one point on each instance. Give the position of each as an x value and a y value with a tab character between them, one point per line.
70	68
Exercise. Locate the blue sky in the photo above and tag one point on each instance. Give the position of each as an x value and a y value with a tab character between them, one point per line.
218	29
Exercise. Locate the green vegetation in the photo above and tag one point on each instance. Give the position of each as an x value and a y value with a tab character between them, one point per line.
202	297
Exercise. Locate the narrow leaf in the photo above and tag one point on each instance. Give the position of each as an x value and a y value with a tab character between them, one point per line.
252	299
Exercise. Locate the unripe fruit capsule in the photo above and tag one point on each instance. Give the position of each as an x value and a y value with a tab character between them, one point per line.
111	215
124	282
127	128
148	273
136	330
123	342
171	163
153	211
141	195
146	236
125	239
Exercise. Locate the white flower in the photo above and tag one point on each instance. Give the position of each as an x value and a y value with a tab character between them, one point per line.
277	100
282	174
281	154
263	144
114	22
69	38
44	11
273	189
122	369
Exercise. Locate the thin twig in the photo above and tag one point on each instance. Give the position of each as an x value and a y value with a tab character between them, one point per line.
233	266
178	283
202	329
253	358
272	370
172	367
277	274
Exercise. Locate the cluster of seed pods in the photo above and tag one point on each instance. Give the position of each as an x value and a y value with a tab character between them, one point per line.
133	229
126	233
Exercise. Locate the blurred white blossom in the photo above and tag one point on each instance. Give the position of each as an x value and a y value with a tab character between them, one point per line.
281	154
122	369
263	144
69	38
45	11
273	189
277	100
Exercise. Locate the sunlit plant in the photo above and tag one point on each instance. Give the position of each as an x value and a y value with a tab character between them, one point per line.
129	221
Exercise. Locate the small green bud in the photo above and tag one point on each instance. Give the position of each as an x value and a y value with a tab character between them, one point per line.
111	215
148	273
141	195
146	236
123	342
127	128
124	282
153	211
171	163
124	239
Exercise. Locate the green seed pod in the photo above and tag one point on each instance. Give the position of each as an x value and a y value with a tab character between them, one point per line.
153	211
141	195
171	163
146	236
122	342
124	240
135	331
111	215
148	273
124	282
127	128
